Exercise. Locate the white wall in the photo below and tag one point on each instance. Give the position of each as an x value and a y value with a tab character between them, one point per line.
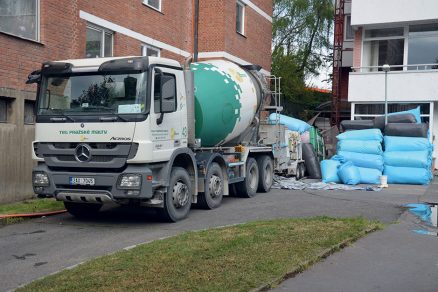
370	12
402	86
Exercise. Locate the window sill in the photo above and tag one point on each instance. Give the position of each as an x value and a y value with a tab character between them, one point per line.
153	8
241	34
22	38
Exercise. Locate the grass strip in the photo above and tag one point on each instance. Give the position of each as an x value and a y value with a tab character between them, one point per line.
29	207
237	258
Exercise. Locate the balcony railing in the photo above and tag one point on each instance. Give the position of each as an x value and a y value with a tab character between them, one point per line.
415	67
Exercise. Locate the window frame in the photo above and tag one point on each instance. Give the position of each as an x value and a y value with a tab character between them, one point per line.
33	111
103	32
175	93
9	107
145	47
160	5
243	6
37	25
348	16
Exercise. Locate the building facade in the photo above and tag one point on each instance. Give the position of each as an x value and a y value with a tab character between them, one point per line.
403	34
36	31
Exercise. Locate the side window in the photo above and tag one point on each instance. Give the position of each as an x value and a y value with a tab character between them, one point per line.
164	93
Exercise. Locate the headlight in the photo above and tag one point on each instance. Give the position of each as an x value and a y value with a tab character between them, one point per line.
40	179
130	181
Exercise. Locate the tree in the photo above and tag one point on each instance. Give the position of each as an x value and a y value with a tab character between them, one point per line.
302	31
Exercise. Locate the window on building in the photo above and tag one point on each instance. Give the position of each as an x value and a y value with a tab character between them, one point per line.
20	18
349	32
155	4
367	111
5	109
423	46
240	17
384	46
150	51
29	112
99	42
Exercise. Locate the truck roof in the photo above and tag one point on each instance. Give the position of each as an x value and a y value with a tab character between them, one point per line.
96	62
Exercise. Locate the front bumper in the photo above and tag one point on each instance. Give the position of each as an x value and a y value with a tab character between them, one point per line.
105	188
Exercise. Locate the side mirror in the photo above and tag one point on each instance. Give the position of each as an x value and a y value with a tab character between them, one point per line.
34	77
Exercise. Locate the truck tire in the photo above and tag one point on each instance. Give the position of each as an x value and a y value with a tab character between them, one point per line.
266	173
178	198
213	188
82	210
248	187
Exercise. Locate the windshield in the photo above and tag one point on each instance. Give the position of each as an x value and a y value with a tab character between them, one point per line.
93	93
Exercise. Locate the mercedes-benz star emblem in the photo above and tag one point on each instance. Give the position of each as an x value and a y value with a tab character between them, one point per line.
83	153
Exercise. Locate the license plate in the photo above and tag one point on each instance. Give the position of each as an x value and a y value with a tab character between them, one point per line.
82	181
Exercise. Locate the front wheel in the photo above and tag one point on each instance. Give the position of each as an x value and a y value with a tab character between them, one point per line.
248	187
214	188
178	198
82	210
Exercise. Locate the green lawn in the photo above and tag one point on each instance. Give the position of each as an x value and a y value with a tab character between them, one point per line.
28	206
237	258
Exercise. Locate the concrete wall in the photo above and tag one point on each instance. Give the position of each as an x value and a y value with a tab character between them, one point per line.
62	36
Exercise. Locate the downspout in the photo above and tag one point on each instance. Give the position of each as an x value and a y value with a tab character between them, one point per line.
195	31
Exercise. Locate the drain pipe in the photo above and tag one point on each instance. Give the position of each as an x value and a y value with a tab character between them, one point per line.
195	32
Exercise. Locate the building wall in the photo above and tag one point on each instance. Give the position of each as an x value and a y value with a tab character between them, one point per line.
63	36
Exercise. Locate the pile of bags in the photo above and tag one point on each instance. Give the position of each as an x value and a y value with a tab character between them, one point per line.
359	158
408	160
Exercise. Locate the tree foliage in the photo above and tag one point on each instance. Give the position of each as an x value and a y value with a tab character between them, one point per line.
302	31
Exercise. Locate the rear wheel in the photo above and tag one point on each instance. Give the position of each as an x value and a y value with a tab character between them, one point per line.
248	187
82	210
214	188
266	173
178	198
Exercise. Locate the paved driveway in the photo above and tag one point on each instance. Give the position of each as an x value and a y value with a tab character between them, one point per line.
41	246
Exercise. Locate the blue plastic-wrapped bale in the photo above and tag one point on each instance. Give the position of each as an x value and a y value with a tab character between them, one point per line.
369	175
363	160
349	174
362	135
291	123
416	112
420	159
329	169
407	144
359	146
407	175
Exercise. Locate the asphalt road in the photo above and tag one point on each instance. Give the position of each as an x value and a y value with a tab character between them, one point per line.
38	247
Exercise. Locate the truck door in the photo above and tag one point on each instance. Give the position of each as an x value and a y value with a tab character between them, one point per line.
166	123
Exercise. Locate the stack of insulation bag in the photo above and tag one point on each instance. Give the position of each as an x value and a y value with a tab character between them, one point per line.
359	159
408	153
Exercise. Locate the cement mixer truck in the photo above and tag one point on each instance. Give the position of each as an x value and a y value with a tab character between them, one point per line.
152	132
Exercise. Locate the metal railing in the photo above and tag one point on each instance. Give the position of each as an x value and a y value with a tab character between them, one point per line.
414	67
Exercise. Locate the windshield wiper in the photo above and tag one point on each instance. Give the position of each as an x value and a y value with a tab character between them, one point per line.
63	119
107	119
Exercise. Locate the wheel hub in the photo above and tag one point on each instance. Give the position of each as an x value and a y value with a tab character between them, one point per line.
253	178
180	194
215	186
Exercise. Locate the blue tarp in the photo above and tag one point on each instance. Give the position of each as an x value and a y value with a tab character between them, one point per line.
362	135
368	147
